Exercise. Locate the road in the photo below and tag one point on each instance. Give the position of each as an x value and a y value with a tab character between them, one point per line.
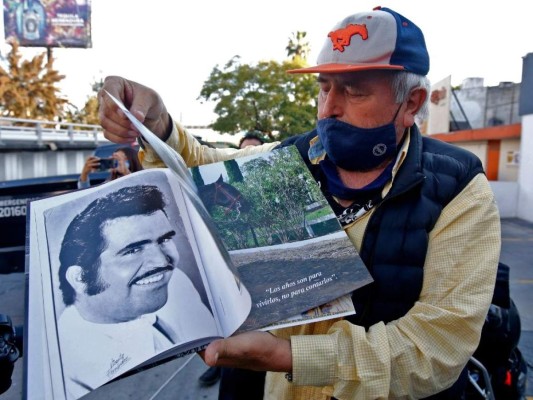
178	379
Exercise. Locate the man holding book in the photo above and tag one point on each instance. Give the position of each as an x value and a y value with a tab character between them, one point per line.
420	212
117	259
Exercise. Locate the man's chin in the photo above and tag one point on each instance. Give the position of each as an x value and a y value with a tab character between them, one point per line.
156	301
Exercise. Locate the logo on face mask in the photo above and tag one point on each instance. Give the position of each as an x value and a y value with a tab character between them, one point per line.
379	149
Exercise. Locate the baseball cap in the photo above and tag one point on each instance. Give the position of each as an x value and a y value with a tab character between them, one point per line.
379	39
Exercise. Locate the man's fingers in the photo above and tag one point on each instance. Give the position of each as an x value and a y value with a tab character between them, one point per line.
259	351
139	115
117	126
144	103
138	99
211	353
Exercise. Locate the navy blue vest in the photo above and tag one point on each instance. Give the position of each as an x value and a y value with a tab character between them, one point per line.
395	242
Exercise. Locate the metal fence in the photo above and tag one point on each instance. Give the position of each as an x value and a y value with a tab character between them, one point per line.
30	131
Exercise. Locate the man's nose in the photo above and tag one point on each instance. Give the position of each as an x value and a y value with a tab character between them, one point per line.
332	106
158	255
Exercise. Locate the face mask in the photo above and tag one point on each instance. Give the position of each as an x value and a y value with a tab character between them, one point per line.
357	149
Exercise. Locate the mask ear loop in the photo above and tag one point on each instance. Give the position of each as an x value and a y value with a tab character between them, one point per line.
393	122
397	112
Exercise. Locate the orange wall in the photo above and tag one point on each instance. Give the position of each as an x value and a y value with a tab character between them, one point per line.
493	159
494	132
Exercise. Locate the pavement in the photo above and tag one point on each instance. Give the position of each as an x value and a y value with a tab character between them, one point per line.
178	379
517	252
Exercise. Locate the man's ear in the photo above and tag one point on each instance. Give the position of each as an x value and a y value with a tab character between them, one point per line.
73	276
415	101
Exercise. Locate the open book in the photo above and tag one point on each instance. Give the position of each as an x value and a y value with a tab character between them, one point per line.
159	263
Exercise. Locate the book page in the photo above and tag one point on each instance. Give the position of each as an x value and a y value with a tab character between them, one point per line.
119	275
230	296
282	236
37	372
338	308
39	264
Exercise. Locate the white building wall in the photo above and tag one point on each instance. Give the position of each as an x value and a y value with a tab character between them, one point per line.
478	148
508	170
525	175
506	194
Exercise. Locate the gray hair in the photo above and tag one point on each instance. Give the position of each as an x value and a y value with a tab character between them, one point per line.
402	84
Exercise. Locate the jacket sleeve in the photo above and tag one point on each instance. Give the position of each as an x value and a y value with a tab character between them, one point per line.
193	152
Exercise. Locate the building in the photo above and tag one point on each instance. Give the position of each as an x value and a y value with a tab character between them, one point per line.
496	124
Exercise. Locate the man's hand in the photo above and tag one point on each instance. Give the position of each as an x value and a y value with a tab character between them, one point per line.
259	351
143	102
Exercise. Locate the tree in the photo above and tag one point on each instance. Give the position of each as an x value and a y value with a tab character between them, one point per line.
197	177
263	96
28	88
279	188
233	170
298	47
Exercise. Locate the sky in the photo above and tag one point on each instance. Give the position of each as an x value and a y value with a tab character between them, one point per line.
172	46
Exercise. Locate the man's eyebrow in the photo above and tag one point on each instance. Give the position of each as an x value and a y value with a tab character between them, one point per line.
167	235
133	245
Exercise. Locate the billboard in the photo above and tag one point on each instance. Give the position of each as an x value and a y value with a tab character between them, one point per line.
48	23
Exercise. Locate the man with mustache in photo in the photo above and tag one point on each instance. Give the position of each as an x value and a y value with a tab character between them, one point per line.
117	259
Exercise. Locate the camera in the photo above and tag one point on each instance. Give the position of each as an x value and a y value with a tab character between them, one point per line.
107	163
10	350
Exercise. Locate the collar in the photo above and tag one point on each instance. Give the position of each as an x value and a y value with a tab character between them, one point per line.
337	188
145	321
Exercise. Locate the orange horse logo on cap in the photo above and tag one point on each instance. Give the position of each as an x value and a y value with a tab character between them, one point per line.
341	37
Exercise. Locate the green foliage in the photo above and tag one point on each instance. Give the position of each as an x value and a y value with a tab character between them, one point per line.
298	47
28	88
280	189
322	212
233	170
262	97
197	177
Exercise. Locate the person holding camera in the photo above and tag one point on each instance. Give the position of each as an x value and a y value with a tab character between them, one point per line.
122	162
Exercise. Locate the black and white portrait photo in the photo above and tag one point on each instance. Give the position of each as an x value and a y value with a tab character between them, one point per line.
125	281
